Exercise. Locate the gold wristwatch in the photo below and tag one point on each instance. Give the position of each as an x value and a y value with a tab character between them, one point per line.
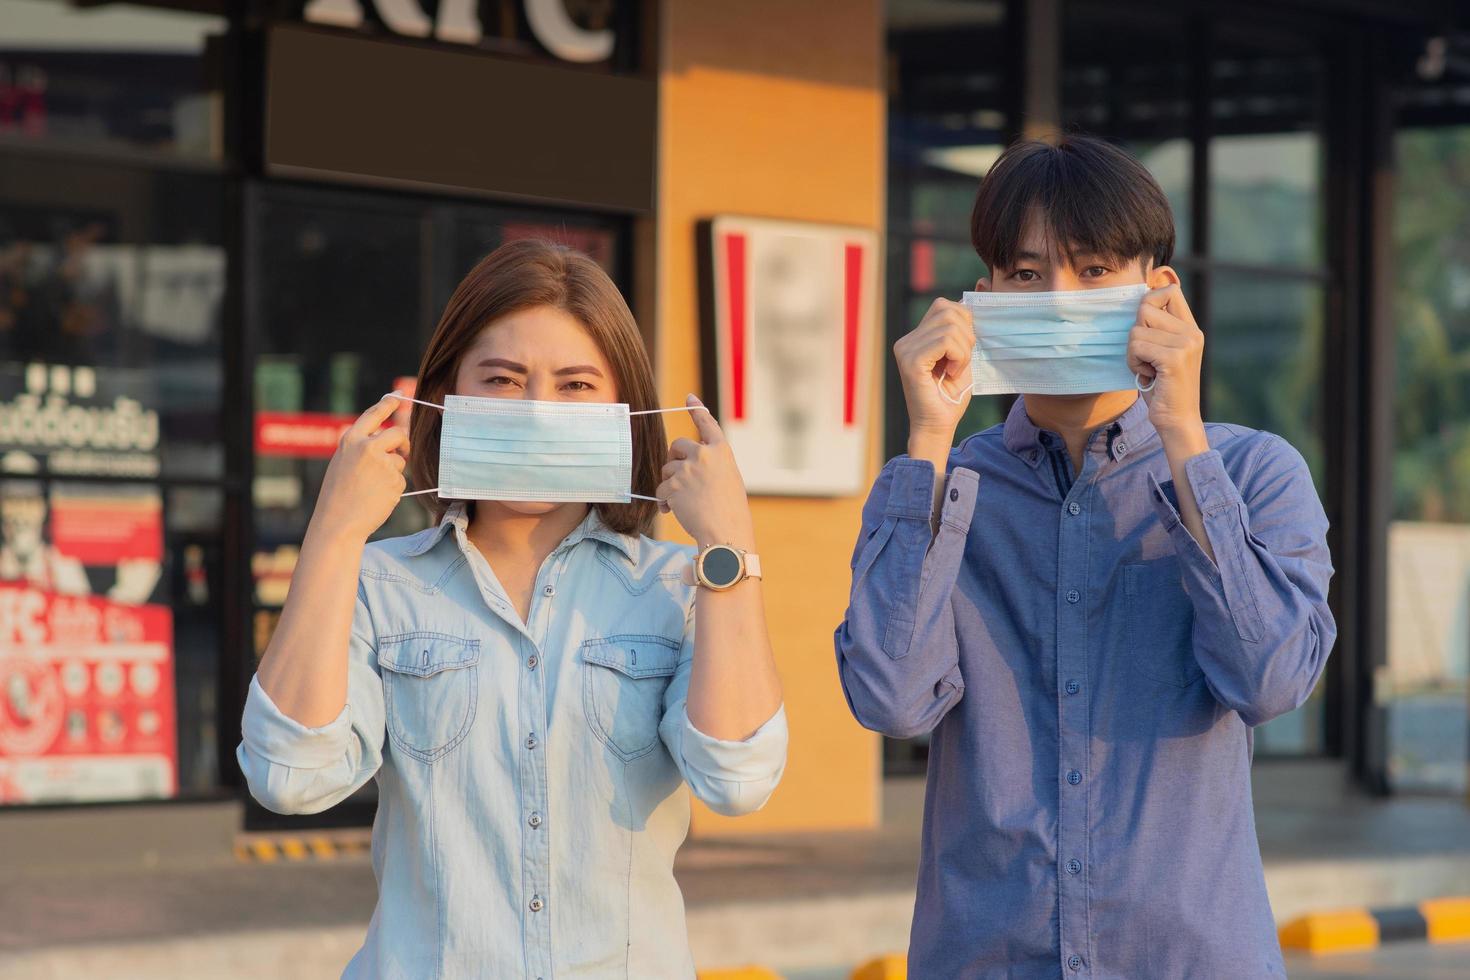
720	566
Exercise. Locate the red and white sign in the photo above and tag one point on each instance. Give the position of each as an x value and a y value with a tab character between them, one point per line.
302	435
86	698
794	307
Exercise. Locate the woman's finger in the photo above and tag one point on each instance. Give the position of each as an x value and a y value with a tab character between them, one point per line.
683	448
389	440
710	432
368	422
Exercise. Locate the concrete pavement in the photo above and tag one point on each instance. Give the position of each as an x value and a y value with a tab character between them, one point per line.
798	903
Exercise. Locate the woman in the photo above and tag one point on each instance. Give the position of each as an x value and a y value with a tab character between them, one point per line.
524	679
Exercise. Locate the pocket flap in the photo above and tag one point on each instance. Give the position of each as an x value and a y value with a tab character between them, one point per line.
636	655
427	653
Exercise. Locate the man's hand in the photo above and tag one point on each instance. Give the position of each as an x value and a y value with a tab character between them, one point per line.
1168	346
1165	350
936	352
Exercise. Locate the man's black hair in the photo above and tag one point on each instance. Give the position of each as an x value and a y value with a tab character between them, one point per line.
1093	197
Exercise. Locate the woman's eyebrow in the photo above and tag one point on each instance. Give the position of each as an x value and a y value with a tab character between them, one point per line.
579	369
501	362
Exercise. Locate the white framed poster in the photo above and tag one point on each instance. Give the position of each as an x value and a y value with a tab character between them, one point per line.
793	306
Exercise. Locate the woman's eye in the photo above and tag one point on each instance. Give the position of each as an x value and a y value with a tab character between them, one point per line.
578	386
500	380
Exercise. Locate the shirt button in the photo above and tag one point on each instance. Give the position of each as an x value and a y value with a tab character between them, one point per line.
1120	449
1074	508
532	661
1073	687
1074	961
536	904
954	494
1074	596
550	590
534	820
1074	777
1074	866
531	741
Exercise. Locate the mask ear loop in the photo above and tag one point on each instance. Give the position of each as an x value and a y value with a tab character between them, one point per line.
394	394
939	383
1138	383
660	411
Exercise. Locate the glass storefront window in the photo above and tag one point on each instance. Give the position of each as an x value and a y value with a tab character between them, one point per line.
114	77
349	287
1425	685
1264	345
112	282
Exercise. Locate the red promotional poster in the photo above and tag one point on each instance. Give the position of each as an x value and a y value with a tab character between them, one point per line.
86	647
86	698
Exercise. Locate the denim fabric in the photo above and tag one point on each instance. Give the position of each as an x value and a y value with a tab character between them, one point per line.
1090	678
530	776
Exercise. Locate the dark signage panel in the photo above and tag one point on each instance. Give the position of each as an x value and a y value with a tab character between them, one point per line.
357	109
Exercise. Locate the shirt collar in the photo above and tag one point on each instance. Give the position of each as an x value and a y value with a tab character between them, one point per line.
592	526
1122	436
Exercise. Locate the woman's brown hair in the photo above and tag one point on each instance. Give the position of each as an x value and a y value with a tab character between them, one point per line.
521	275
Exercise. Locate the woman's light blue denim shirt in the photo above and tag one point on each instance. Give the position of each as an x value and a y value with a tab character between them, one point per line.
530	776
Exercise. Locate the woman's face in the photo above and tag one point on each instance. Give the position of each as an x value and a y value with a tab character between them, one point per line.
542	354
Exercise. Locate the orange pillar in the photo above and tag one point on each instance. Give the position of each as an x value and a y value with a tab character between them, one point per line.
776	108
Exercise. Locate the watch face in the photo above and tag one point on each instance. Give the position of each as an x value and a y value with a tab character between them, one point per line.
721	566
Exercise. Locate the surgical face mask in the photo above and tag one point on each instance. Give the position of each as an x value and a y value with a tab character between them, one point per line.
1061	343
518	449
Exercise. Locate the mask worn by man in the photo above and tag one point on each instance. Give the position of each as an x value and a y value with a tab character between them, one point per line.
1072	342
520	449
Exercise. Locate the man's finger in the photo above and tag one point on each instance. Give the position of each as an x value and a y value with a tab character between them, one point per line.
1162	320
710	432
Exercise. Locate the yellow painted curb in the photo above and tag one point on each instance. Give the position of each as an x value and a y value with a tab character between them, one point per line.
1448	919
1337	931
894	966
738	973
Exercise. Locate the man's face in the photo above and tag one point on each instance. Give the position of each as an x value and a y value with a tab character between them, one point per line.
1042	266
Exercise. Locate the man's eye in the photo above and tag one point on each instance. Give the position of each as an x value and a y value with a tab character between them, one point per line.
1096	271
1025	275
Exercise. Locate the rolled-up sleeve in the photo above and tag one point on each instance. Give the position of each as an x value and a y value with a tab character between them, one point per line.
897	651
292	768
732	777
1262	627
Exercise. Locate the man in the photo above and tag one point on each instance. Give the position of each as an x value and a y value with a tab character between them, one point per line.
1090	611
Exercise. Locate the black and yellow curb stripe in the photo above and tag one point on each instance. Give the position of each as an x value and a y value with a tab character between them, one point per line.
267	848
1437	920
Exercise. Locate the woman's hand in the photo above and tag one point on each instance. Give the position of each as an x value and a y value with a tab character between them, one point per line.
703	488
365	477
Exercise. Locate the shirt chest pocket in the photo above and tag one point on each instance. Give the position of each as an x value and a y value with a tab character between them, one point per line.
624	678
429	691
1160	623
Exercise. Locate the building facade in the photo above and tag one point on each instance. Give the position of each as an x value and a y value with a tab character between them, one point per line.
226	227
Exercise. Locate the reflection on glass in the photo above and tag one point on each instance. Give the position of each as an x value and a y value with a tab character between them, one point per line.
1265	199
1264	355
111	76
1425	682
1170	163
